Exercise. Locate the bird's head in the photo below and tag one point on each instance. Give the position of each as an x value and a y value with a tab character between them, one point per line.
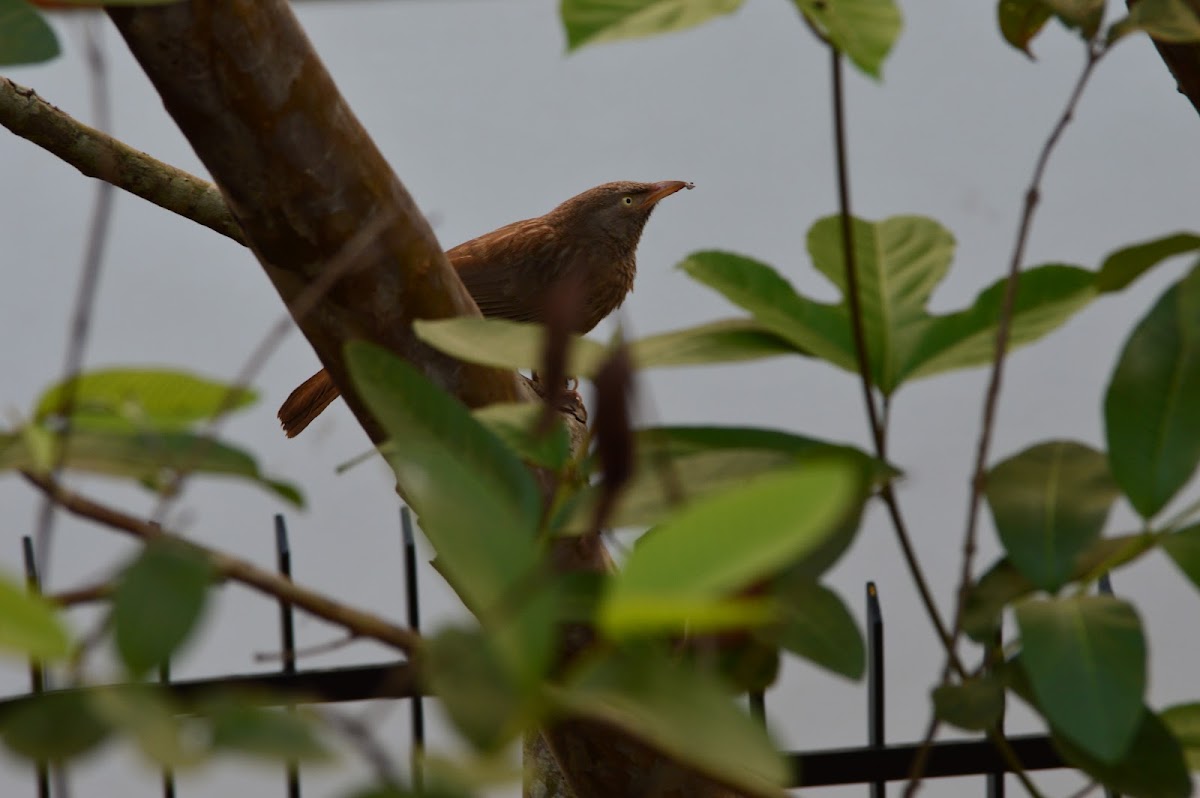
617	211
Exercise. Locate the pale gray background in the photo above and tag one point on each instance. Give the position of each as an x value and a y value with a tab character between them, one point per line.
487	121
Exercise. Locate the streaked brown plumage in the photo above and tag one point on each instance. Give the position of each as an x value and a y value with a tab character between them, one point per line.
512	272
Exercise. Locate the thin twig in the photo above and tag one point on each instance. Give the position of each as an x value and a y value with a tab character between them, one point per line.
357	622
99	155
85	295
878	433
361	737
1004	327
89	594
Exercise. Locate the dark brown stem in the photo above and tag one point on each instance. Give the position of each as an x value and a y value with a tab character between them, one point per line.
357	622
878	433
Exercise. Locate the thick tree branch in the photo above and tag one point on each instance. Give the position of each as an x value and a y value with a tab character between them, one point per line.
97	154
361	624
301	176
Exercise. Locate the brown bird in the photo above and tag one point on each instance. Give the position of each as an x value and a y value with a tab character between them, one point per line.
591	239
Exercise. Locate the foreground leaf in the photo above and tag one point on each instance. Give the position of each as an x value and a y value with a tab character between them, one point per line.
477	503
682	711
1150	415
516	424
1184	722
1123	267
158	603
146	398
505	344
53	727
1164	20
720	543
270	734
1152	767
144	713
29	625
974	705
1049	503
1184	549
817	626
1020	21
1085	657
594	21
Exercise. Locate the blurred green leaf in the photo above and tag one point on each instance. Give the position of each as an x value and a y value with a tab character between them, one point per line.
724	341
1047	296
1049	503
974	705
1184	548
515	423
267	733
594	21
899	262
470	678
814	328
29	625
1184	722
143	398
1021	20
864	30
680	710
817	626
25	37
153	458
158	602
505	344
1085	657
53	727
145	714
689	564
1083	15
1152	767
1165	20
1150	413
1123	267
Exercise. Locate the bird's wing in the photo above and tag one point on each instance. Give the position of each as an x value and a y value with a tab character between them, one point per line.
504	270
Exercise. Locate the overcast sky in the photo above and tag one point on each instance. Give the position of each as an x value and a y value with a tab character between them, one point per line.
487	121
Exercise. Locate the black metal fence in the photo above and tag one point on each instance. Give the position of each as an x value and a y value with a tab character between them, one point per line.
873	764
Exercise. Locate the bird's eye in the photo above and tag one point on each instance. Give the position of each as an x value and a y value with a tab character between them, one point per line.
627	200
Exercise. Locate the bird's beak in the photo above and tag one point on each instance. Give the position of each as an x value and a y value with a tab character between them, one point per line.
664	189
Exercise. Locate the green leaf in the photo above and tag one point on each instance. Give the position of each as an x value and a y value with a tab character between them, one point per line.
594	21
1049	503
1165	20
515	423
813	328
505	344
53	727
1184	548
152	458
143	398
477	504
1123	267
864	30
680	710
29	625
158	602
1086	661
1021	20
1152	767
899	262
677	464
725	341
974	705
1184	722
818	627
1150	413
702	553
1084	15
25	37
470	678
1047	296
144	713
267	733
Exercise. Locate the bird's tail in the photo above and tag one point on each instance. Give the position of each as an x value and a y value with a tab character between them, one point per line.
307	402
